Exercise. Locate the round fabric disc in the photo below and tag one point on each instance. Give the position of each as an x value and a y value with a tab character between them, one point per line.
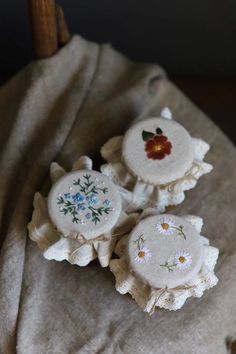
157	150
165	251
85	202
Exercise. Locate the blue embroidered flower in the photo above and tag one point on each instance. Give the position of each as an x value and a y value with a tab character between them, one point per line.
106	202
81	206
87	202
78	197
92	199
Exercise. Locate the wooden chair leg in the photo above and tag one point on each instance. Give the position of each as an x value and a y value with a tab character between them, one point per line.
44	27
49	28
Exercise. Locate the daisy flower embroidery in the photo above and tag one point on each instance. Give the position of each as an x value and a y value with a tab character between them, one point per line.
183	260
142	254
167	227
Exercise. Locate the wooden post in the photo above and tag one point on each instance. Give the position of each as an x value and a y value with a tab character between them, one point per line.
63	33
44	27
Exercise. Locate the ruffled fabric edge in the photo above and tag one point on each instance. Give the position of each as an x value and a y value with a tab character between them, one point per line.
149	299
140	195
80	252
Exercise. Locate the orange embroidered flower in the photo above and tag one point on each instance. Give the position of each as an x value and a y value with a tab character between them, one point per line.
158	147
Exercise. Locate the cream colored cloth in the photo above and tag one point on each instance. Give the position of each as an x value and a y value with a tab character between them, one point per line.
76	248
133	275
145	194
56	110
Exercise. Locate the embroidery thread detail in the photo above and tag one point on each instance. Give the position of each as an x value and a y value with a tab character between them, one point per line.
157	145
87	200
182	260
167	227
142	254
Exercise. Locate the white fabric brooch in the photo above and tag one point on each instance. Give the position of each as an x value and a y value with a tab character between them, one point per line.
164	261
156	161
82	217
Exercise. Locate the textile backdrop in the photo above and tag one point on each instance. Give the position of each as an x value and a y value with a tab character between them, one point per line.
57	109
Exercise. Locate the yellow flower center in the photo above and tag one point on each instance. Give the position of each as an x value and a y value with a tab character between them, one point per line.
165	226
182	259
141	254
157	147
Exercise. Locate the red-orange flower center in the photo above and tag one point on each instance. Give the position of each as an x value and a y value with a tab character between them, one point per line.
158	147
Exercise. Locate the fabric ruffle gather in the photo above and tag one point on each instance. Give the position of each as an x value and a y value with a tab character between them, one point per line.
156	161
164	261
82	217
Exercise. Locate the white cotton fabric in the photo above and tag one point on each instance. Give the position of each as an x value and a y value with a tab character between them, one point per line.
75	248
143	194
148	297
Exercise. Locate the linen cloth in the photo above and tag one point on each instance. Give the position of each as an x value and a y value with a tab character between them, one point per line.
58	109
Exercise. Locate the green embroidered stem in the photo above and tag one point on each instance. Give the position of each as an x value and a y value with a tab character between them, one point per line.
87	184
168	266
180	231
68	207
78	183
139	241
96	213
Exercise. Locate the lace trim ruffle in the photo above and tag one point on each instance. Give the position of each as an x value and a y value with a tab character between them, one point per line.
80	252
145	195
172	299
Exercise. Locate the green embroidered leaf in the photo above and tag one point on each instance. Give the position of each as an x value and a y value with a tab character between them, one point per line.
75	219
147	135
60	200
159	131
76	183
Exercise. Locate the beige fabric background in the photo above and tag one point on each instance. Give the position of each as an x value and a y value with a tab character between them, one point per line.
69	105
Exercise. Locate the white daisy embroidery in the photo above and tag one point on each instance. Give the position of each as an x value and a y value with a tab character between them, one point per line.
143	255
183	260
166	226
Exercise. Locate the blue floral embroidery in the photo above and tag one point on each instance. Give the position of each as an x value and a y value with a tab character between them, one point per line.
81	206
89	200
78	197
106	202
92	199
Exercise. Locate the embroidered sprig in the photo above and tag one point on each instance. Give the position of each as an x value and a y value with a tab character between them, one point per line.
68	208
167	226
182	260
84	188
86	200
180	230
142	254
170	267
96	213
140	240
